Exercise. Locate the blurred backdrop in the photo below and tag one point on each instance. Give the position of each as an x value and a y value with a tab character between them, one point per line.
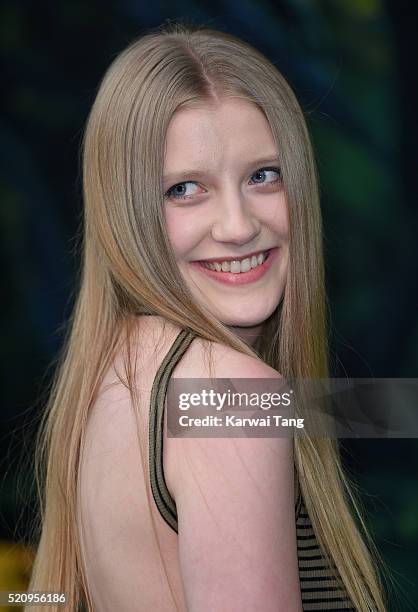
352	64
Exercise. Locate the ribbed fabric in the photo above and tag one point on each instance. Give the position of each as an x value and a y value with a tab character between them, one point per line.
321	589
162	497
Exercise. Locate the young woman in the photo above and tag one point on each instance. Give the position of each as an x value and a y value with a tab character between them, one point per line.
201	256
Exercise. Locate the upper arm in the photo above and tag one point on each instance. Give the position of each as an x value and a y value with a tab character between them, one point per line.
235	506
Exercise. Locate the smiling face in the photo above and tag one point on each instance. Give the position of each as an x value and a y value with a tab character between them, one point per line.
226	210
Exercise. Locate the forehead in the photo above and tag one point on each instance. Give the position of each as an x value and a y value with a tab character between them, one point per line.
214	134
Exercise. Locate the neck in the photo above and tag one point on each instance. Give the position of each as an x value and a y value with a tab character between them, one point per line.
248	334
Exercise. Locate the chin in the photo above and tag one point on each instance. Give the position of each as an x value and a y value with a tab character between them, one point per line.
246	319
249	311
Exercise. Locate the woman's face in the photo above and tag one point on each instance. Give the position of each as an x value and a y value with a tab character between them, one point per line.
226	210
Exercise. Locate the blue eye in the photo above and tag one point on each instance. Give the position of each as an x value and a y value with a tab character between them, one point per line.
264	173
265	176
179	191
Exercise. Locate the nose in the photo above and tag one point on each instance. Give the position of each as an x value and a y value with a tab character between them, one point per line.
235	222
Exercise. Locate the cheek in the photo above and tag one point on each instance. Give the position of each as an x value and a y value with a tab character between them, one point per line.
275	216
185	229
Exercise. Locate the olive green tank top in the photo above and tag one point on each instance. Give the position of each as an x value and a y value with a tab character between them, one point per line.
321	590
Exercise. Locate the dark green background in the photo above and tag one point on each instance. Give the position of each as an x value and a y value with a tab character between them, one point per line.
352	65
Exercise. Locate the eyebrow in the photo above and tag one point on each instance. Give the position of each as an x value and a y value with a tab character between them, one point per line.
197	173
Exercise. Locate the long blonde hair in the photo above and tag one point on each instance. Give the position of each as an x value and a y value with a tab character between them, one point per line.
128	267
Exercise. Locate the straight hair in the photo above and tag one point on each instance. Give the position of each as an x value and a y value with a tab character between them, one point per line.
128	268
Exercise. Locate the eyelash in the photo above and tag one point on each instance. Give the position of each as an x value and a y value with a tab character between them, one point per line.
169	194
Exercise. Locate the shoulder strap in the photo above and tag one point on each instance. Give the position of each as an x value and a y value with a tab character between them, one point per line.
165	503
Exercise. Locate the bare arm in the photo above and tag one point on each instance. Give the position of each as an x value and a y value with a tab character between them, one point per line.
235	505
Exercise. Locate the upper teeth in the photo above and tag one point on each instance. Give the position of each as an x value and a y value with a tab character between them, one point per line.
236	266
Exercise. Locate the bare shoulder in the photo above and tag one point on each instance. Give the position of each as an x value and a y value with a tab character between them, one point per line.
112	426
235	501
234	497
112	420
226	362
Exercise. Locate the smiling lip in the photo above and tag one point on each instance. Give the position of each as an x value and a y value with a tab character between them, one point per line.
221	259
230	278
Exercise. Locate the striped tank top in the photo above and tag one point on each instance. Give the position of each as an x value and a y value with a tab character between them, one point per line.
320	588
